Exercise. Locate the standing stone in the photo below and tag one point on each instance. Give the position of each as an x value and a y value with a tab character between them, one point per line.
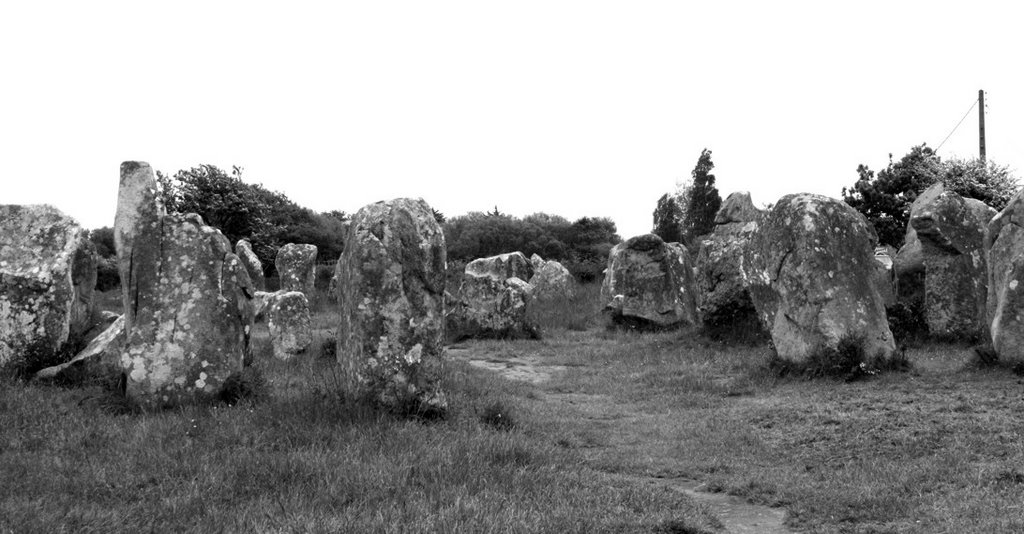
252	264
289	324
391	281
490	306
809	270
502	266
47	277
101	358
885	276
1004	248
650	283
296	267
536	261
723	297
952	231
187	298
552	281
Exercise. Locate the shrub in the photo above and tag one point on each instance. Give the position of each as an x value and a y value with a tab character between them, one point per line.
907	323
107	275
245	384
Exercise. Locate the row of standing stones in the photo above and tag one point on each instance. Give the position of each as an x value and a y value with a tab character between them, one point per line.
808	270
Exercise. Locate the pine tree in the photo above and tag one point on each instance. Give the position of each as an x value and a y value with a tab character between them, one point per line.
704	200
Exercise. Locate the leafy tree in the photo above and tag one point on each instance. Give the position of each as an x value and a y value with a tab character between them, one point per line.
268	219
668	219
704	200
885	199
103	239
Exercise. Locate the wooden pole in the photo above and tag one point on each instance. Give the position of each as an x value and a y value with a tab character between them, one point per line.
981	125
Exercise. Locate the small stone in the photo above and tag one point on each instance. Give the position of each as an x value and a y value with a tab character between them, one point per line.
296	267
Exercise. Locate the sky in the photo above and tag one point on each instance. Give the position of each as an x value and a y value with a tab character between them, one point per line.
574	108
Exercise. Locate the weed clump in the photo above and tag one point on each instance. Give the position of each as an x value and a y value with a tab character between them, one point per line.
498	416
846	361
249	383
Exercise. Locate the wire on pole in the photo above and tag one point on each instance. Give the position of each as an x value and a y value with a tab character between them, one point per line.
975	103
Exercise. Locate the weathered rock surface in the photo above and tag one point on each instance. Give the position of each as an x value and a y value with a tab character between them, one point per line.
100	358
723	297
536	261
650	283
502	266
253	265
47	277
391	285
1004	248
296	267
952	231
489	306
288	322
187	299
737	208
551	280
809	270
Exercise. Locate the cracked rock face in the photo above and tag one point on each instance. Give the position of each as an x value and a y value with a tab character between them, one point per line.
252	264
187	299
650	283
1004	248
951	231
296	267
391	281
809	270
47	276
288	322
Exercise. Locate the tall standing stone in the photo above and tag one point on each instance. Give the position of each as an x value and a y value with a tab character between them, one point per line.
251	262
650	283
187	298
47	277
296	267
288	322
951	230
723	298
391	285
810	271
1004	248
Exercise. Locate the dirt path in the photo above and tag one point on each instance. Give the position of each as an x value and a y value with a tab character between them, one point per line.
736	515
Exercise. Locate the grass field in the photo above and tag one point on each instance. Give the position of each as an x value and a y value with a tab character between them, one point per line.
935	449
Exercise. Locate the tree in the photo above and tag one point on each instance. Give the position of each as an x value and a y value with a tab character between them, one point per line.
885	199
668	219
704	200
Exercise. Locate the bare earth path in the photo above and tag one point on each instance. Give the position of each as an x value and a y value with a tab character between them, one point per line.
622	427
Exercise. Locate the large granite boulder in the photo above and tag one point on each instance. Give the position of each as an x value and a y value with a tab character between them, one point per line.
1004	249
723	299
296	267
391	281
288	322
252	264
551	280
47	277
489	306
650	284
187	299
809	270
502	266
951	230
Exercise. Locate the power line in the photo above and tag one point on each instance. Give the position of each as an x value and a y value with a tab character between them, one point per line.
975	103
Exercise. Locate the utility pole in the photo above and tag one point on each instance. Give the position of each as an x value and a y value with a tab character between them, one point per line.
981	125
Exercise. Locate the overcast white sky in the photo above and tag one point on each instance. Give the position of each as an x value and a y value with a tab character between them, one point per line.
574	108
